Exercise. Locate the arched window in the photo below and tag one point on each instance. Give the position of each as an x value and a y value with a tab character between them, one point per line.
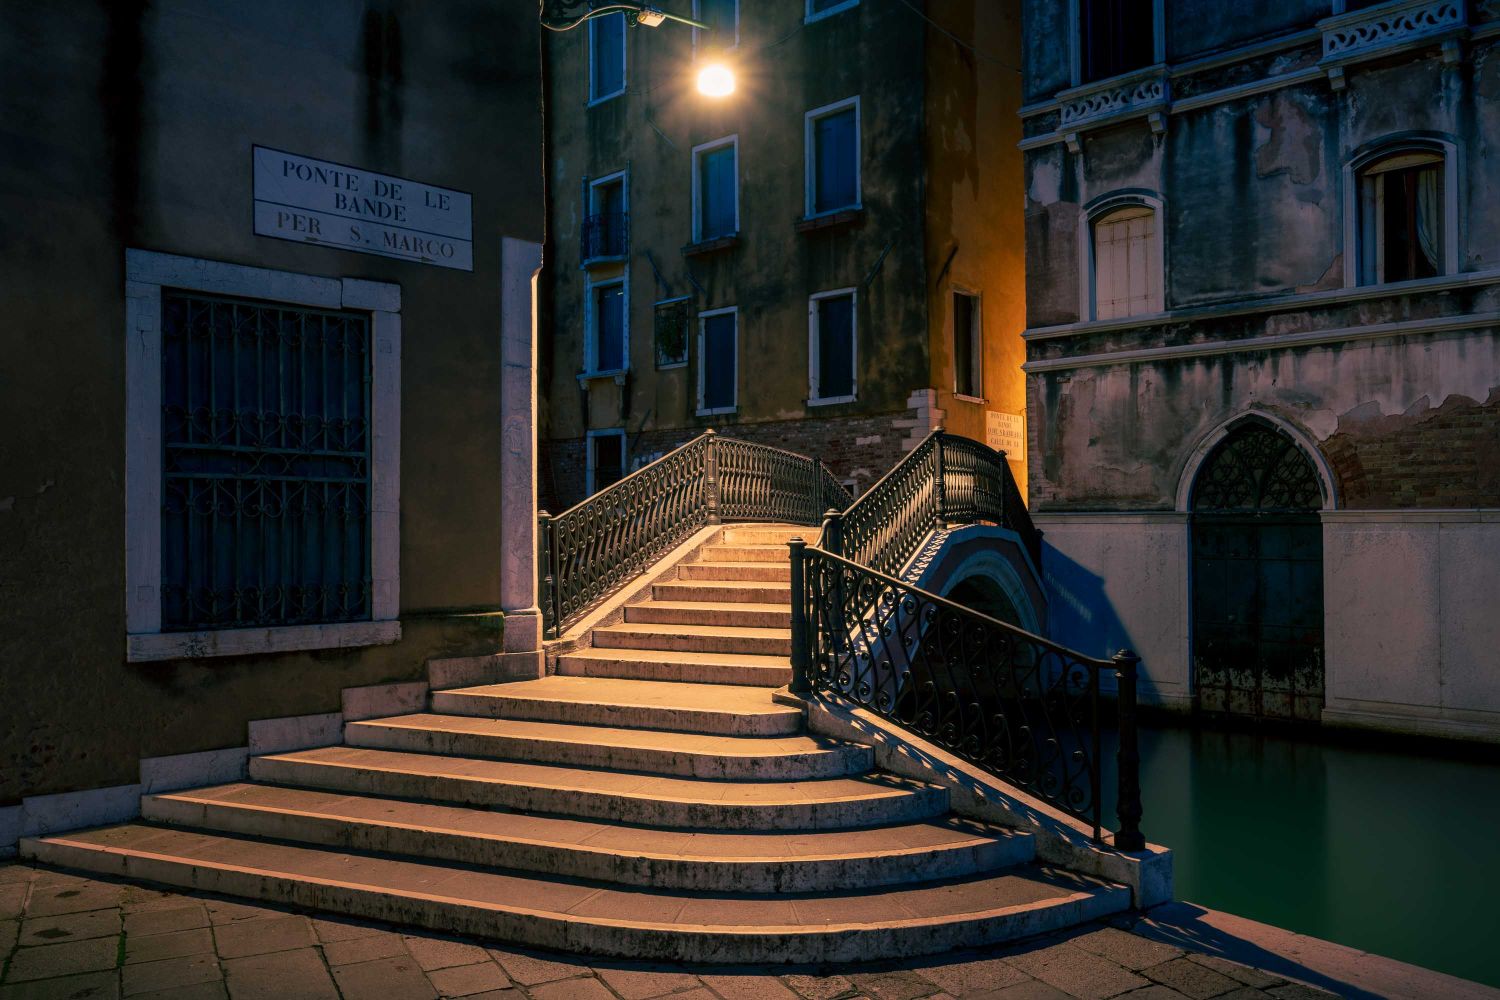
1406	215
1127	261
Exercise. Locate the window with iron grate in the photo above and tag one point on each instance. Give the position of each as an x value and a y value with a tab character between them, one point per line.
672	319
265	464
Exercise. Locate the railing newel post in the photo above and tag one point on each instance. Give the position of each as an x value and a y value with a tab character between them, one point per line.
711	476
833	531
1128	837
546	566
940	488
801	653
817	478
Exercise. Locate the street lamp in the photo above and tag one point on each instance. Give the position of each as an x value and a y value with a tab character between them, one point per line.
561	15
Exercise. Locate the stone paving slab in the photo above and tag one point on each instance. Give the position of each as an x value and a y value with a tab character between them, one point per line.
75	937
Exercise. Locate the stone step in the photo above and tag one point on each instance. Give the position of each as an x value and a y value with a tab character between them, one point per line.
736	571
766	534
696	639
622	796
723	591
802	861
636	704
745	553
691	668
732	758
582	916
746	615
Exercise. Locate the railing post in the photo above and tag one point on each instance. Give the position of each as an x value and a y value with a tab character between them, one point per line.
1004	490
817	490
548	580
801	653
940	488
1128	837
711	477
833	531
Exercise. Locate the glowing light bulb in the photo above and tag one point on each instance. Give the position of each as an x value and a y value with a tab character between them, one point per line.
715	80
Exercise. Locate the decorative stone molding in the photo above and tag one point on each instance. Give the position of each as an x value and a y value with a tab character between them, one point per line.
1378	31
1143	94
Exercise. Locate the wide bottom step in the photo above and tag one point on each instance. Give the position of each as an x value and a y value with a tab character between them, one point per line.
593	917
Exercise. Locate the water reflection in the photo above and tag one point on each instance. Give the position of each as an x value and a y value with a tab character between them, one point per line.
1389	852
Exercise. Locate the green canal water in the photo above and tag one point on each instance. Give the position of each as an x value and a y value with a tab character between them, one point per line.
1392	852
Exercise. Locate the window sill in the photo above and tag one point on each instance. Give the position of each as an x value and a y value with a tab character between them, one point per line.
717	413
671	367
832	400
249	641
820	15
592	262
594	102
970	399
618	374
837	219
714	245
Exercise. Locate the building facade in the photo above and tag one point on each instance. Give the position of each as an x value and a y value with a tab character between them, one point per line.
1263	367
829	258
267	289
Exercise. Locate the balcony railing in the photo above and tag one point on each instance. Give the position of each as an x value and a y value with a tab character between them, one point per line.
606	235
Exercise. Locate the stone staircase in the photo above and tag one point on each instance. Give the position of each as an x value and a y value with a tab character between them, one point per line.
649	799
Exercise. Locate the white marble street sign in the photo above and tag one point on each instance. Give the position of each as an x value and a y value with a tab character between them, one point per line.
333	205
1007	432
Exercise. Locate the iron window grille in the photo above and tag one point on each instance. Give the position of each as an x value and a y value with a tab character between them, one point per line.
671	334
265	464
606	234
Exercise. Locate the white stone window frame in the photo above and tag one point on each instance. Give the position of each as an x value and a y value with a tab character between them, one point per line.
976	345
1354	173
810	155
592	208
703	317
810	15
814	336
1087	280
700	46
591	326
1075	38
147	274
588	455
624	59
733	142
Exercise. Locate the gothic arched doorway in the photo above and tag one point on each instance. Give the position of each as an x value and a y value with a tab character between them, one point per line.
1257	611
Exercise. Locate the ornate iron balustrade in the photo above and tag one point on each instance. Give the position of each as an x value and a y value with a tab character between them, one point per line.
1024	709
591	550
606	234
943	480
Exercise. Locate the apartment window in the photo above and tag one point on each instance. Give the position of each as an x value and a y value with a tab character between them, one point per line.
606	56
1114	37
723	16
606	227
1402	218
606	459
671	332
831	346
1127	263
607	326
833	157
968	346
718	360
819	9
716	197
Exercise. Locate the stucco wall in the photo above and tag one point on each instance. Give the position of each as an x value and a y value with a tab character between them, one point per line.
131	125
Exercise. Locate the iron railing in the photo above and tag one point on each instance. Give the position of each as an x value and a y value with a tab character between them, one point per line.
1020	707
943	480
591	550
606	234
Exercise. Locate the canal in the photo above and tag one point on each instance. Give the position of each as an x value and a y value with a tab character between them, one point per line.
1392	851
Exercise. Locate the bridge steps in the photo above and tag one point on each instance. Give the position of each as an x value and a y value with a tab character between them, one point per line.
650	799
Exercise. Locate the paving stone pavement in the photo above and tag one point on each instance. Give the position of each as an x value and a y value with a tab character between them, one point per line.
67	936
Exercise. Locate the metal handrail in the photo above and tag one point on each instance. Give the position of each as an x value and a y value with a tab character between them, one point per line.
594	548
1021	707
